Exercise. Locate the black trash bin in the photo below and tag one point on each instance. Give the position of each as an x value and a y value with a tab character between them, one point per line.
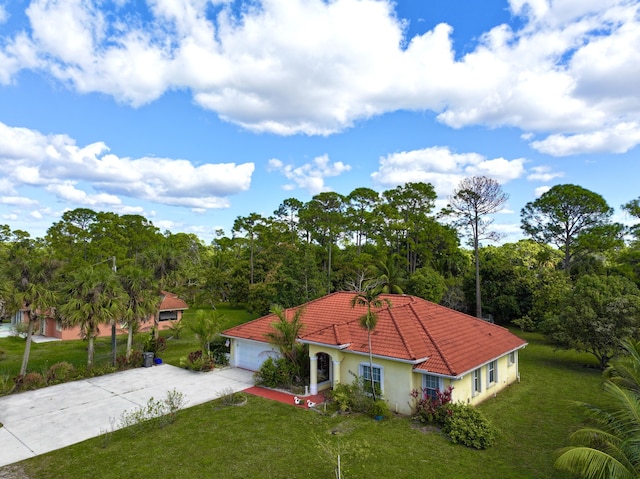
147	360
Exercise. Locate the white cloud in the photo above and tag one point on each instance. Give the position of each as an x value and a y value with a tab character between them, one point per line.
4	15
309	176
541	190
618	138
543	173
443	168
91	176
17	201
316	67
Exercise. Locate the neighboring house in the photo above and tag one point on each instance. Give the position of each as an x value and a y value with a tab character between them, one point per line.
170	312
416	345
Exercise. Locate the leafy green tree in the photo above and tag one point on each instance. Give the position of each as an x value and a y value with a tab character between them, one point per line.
361	217
608	447
371	300
70	237
597	314
249	224
31	273
92	297
323	218
428	284
406	218
574	219
287	213
472	201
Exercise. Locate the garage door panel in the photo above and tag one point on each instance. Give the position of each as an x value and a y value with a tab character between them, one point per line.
251	354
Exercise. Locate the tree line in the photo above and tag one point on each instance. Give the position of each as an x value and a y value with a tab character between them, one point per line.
575	277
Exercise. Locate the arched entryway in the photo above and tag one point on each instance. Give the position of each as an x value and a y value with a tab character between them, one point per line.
324	368
325	371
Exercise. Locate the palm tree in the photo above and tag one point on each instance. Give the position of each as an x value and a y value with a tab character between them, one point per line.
205	326
30	276
610	447
142	302
370	298
391	277
625	371
92	296
285	334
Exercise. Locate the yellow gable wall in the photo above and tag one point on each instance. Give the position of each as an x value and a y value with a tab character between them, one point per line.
399	379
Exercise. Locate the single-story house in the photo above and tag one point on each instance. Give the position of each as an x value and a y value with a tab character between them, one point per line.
416	345
170	312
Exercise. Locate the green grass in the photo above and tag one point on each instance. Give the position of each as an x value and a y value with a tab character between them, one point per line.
44	355
272	440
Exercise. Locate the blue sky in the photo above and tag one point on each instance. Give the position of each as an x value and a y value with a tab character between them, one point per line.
195	112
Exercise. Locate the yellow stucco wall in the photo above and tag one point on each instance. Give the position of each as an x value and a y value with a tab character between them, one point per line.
399	379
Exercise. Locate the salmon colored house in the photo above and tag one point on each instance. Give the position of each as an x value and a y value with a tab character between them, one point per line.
416	345
170	312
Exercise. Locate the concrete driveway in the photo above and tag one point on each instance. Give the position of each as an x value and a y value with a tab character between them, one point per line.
51	418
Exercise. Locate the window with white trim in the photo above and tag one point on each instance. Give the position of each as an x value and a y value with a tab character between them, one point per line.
492	373
511	359
431	385
365	373
477	382
58	325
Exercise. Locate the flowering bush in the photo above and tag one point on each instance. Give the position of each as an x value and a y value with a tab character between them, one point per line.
196	361
463	423
432	410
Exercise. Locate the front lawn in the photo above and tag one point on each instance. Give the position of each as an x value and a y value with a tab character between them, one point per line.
272	440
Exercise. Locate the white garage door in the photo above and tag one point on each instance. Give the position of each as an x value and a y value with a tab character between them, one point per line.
251	354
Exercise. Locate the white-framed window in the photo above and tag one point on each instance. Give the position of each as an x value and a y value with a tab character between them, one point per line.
378	375
477	382
59	326
431	385
492	373
511	359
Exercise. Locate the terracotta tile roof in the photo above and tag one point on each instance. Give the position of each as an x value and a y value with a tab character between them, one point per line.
433	337
171	302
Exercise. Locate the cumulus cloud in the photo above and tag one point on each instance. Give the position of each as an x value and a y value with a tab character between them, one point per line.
618	138
297	66
443	168
91	176
543	173
310	176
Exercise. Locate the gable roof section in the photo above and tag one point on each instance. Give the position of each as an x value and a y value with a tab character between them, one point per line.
171	302
434	338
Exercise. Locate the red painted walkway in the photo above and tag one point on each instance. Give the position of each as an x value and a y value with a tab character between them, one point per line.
285	397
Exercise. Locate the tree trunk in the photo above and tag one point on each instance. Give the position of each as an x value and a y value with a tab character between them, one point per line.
129	342
373	386
476	247
27	349
90	352
113	343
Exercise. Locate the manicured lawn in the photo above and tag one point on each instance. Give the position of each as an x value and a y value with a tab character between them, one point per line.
273	440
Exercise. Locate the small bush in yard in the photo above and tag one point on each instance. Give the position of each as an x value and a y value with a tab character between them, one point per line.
30	381
197	361
466	425
155	413
352	397
60	372
274	373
